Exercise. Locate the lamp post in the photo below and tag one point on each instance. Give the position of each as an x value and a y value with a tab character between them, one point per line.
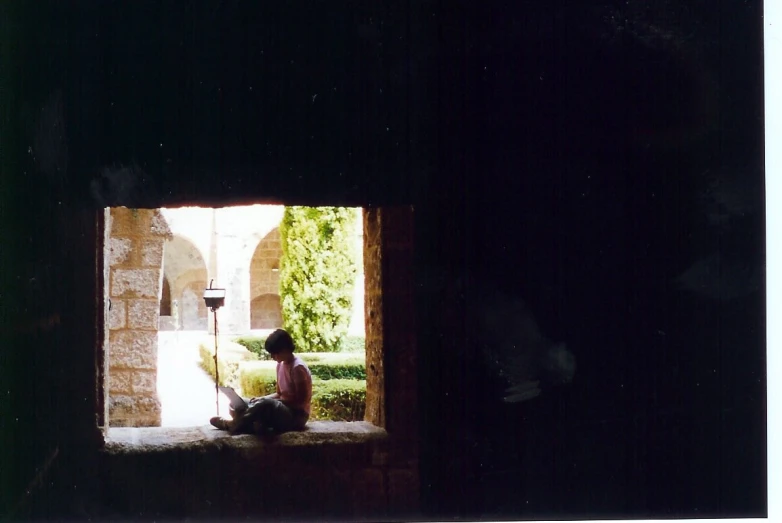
214	299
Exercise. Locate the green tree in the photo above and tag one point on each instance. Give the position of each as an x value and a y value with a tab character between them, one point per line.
317	275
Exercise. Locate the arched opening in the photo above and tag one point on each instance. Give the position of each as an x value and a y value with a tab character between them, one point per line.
266	312
184	269
165	299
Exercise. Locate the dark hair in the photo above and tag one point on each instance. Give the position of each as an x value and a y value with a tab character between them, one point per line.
278	341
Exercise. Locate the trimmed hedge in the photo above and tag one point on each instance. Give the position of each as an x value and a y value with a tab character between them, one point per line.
339	400
349	344
260	376
257	379
353	344
331	371
229	357
329	366
255	345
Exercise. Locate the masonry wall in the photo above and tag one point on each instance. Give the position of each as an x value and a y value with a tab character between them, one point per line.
135	281
349	461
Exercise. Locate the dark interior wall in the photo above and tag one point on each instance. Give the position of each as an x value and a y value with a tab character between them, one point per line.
596	154
584	156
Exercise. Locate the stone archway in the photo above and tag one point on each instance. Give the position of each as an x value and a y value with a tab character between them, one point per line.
185	269
265	309
165	298
266	312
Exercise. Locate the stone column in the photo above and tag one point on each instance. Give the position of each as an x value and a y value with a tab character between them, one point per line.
136	260
233	273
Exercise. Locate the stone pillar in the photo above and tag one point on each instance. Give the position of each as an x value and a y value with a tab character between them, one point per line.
391	352
233	274
135	260
375	411
390	329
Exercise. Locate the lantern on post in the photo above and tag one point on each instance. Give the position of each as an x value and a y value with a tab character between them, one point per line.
214	299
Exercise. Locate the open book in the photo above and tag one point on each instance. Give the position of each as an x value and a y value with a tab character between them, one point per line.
237	403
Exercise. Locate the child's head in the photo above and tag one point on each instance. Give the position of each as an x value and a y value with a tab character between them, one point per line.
279	344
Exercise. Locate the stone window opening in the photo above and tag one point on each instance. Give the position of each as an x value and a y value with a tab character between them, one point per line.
137	244
371	465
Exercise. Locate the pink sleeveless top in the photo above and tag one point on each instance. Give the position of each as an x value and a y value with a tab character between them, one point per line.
292	376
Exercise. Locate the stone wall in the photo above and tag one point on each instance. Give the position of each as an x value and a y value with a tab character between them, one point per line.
334	470
135	280
373	293
391	345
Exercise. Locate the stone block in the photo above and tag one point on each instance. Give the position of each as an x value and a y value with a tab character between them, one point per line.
136	283
159	226
119	250
120	381
117	314
134	411
130	349
152	253
129	222
373	312
372	228
375	394
143	314
144	382
372	271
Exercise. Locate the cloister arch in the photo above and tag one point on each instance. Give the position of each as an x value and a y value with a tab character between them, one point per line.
165	298
185	270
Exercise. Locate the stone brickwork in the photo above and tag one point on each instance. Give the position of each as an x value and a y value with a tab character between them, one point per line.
391	348
265	310
373	307
337	469
135	253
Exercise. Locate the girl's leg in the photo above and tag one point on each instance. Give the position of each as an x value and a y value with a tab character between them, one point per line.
285	419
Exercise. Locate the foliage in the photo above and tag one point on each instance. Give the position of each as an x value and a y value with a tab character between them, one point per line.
353	344
256	380
255	345
317	275
333	358
339	400
332	371
208	364
260	375
229	358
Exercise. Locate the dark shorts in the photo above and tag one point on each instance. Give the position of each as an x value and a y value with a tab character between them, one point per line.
268	414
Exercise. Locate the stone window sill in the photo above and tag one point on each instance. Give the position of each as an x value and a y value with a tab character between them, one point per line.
345	470
318	434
